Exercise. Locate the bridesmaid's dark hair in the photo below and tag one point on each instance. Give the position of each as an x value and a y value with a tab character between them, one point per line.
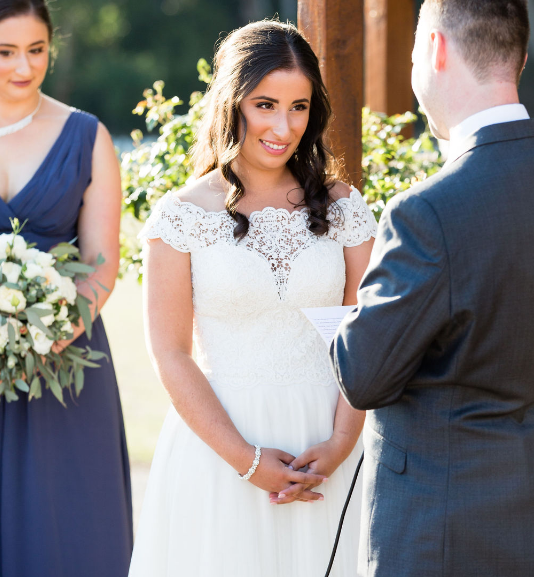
243	59
39	8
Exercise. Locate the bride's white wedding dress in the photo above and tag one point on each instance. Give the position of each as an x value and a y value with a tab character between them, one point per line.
270	370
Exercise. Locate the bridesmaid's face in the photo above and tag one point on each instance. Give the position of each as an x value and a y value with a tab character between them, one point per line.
24	48
277	113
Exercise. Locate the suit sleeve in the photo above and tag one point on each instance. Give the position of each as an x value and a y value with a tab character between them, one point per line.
403	303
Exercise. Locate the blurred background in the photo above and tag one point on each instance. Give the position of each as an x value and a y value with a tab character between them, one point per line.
109	51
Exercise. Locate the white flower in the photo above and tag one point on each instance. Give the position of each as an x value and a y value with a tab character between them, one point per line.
11	271
5	239
11	300
39	257
62	314
68	289
11	362
54	279
33	270
48	319
19	245
67	327
41	343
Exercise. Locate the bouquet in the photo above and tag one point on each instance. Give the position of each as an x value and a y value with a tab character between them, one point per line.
39	303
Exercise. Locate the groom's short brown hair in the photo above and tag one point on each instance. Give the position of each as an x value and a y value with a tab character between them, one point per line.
492	35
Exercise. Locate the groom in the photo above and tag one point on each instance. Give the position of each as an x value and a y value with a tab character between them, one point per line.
440	350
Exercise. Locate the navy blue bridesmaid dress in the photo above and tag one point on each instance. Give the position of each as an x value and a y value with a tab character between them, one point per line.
65	494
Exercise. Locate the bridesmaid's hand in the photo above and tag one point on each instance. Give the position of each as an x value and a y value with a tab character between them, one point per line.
321	459
273	474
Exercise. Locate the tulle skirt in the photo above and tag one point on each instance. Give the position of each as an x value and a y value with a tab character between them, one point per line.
200	520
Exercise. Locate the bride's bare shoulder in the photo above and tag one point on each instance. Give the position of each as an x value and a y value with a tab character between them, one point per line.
207	192
339	190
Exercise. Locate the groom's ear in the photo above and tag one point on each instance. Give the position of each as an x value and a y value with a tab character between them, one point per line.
439	50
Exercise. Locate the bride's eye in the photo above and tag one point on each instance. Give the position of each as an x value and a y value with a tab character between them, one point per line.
5	53
299	107
37	51
265	105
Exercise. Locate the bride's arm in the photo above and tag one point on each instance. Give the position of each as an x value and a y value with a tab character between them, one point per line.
168	308
326	457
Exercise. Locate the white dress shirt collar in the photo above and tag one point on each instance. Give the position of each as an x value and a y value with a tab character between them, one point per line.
495	115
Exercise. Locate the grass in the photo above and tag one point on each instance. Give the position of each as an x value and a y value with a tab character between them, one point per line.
144	400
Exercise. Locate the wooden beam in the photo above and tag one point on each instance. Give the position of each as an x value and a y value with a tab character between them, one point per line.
334	28
389	38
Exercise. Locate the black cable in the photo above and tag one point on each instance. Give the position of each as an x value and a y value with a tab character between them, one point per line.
340	526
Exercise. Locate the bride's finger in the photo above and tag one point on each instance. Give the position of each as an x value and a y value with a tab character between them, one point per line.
305	478
301	461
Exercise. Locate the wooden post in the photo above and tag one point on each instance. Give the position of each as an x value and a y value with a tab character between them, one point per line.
389	38
334	28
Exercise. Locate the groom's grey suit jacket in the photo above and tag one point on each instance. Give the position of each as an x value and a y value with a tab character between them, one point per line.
440	351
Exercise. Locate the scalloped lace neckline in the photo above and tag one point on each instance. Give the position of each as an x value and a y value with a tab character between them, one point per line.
255	213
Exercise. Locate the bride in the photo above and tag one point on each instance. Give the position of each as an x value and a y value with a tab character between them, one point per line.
257	422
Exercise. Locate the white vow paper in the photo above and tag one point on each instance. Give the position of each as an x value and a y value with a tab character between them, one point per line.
327	320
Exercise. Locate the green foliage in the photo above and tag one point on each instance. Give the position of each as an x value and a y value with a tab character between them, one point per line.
154	168
391	163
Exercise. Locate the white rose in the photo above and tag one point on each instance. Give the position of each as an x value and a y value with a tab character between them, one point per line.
11	271
49	319
62	314
33	270
41	343
67	327
19	247
42	258
11	300
68	289
54	279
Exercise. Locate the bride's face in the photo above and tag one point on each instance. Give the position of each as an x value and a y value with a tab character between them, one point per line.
24	48
276	113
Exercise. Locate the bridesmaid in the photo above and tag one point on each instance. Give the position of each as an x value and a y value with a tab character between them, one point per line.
65	499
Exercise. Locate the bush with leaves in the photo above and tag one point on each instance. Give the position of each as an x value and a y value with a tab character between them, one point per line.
391	163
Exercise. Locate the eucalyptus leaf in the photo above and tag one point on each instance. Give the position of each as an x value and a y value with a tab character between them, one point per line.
36	390
30	365
40	312
35	320
97	355
79	380
10	395
81	361
79	267
100	260
63	249
11	335
56	389
85	313
12	285
22	386
102	286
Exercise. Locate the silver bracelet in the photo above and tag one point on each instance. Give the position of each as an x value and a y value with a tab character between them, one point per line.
255	464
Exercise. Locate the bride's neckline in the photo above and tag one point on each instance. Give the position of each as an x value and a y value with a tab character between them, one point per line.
265	209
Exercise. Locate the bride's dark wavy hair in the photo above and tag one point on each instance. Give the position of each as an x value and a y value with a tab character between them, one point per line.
39	8
243	59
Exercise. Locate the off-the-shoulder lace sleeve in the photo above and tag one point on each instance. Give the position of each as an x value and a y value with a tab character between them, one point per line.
172	221
353	222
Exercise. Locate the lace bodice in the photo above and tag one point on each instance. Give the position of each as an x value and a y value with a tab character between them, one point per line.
247	294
